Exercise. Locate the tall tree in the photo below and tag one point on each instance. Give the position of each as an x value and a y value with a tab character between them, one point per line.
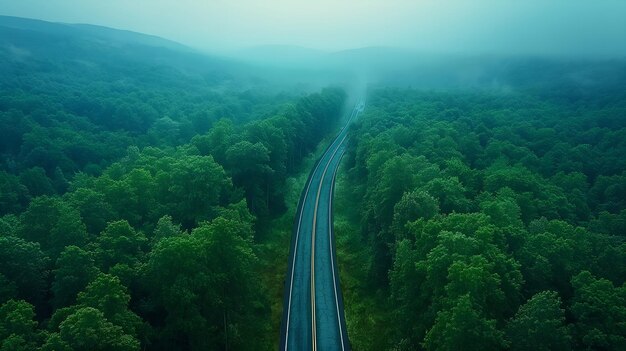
599	310
119	243
539	324
75	268
462	327
18	329
26	266
88	330
107	294
53	224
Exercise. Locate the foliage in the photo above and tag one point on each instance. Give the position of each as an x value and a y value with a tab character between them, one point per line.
152	242
492	220
135	194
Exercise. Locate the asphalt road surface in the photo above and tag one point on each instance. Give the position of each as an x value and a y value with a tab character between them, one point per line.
313	316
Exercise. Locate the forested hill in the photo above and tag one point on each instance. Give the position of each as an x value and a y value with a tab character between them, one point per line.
137	180
87	32
75	97
33	46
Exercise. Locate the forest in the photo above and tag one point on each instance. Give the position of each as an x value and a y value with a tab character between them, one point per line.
148	193
132	211
487	220
91	244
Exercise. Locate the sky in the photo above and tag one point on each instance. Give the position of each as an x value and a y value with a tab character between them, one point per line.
537	27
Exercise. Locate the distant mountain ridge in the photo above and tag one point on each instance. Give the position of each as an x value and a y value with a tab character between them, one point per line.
43	45
90	31
70	45
29	45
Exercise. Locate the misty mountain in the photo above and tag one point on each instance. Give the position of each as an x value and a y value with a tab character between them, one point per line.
81	50
380	65
46	47
89	32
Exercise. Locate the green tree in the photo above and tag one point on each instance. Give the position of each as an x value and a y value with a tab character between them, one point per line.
462	327
55	343
107	294
88	330
412	206
165	228
14	195
539	324
228	247
599	310
142	187
249	166
119	243
269	132
9	225
552	252
179	283
450	193
18	329
206	284
476	278
407	294
397	176
502	208
52	223
190	187
25	265
36	181
216	142
16	343
94	210
75	268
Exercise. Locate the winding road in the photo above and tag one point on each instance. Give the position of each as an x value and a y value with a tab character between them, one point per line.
313	316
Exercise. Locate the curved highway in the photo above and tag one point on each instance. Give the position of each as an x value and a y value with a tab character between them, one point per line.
313	316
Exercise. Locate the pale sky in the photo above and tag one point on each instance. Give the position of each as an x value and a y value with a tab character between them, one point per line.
562	27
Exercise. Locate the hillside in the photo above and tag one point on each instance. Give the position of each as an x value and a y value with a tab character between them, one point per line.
48	48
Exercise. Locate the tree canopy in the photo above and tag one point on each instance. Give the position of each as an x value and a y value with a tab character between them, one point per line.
489	221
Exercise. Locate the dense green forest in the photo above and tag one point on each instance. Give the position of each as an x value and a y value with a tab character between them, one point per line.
135	195
487	220
148	193
155	249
